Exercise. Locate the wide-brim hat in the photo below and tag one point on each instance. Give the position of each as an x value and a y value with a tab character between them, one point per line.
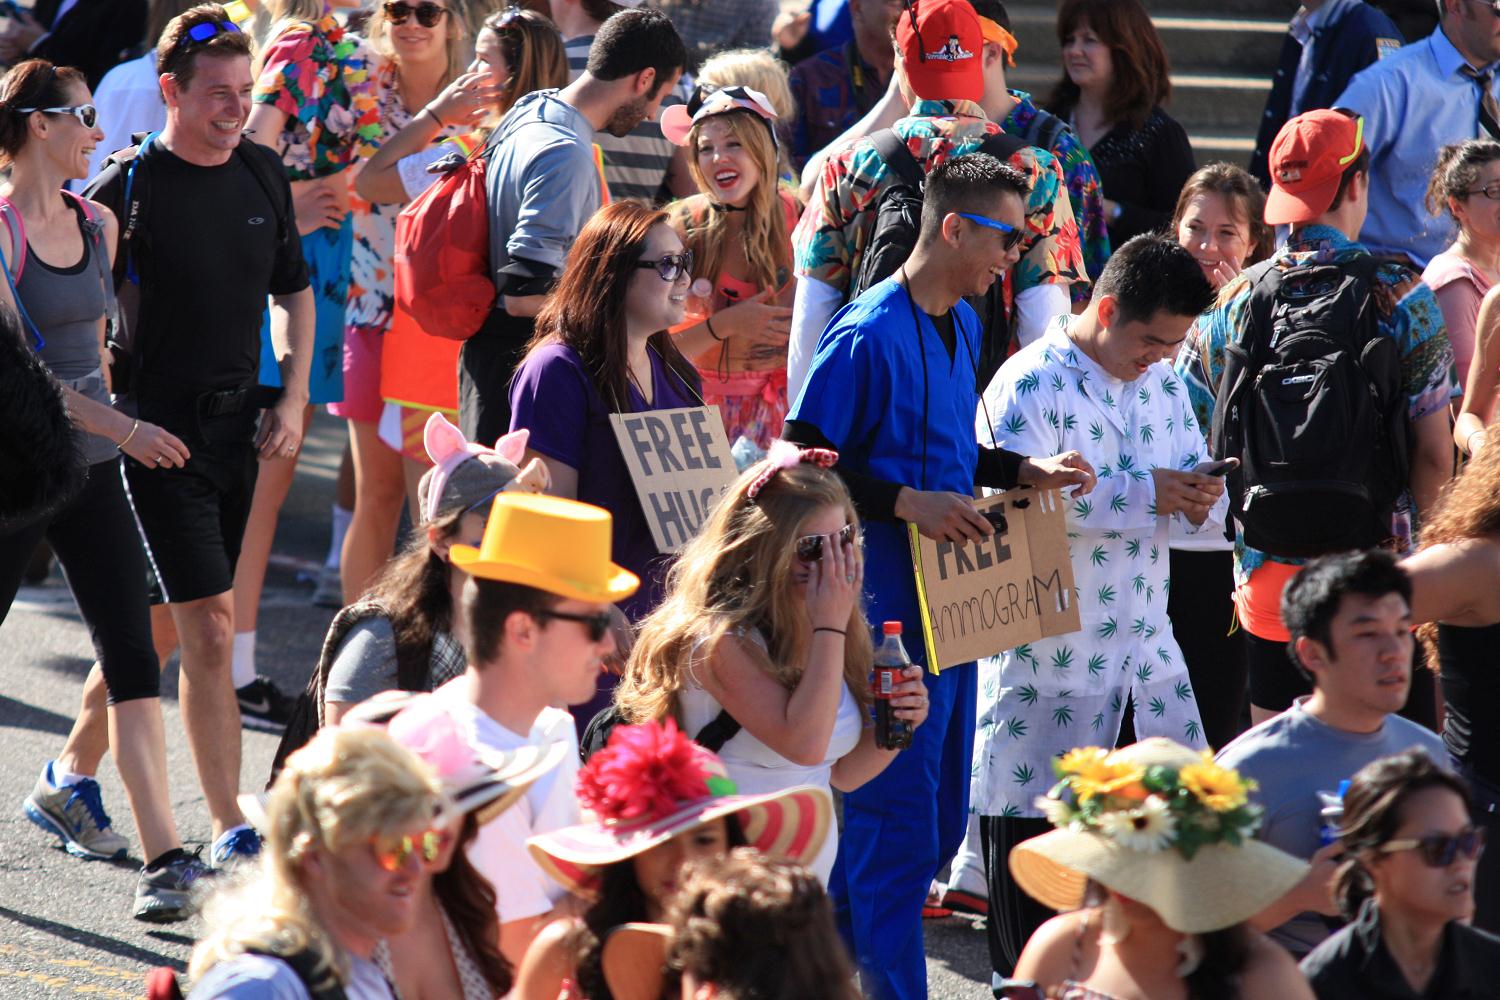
789	824
1221	885
551	544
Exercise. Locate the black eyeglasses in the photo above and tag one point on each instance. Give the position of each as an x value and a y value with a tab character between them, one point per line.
1492	5
810	547
1490	191
208	29
1439	850
85	113
428	13
670	266
597	625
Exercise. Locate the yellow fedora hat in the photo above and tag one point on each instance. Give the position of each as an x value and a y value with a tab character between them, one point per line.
560	546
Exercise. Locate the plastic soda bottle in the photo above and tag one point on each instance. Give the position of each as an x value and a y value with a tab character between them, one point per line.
891	660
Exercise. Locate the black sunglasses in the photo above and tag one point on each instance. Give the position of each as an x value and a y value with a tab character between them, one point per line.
85	113
208	29
1439	850
428	13
597	625
671	266
810	547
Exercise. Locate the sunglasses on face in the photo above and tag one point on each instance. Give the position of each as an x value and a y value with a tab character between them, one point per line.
85	113
809	548
428	13
391	853
596	625
208	29
1439	850
671	266
1013	236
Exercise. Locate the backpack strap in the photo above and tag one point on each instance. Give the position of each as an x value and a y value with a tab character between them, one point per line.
720	731
1043	129
891	149
17	227
318	977
93	229
269	183
10	281
1002	146
134	215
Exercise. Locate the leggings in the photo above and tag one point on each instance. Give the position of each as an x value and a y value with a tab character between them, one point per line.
1201	606
96	541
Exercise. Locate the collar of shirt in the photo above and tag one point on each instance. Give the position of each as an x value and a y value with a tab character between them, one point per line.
946	109
1305	24
1322	240
1453	975
1448	59
1023	112
1066	352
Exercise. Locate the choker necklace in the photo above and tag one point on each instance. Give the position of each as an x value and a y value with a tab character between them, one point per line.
720	206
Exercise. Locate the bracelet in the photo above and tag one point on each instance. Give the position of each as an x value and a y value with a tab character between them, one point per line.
1469	441
434	115
709	321
825	628
133	428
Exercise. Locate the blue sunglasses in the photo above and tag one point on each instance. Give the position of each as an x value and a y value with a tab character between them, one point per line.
1013	236
208	29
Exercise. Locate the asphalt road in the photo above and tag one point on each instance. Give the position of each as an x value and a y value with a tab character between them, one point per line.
65	925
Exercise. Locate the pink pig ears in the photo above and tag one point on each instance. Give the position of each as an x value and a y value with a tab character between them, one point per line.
442	439
512	446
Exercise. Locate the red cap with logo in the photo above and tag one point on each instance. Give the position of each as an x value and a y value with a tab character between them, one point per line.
941	43
1307	160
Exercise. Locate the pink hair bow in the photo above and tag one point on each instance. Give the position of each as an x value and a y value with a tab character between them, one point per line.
785	455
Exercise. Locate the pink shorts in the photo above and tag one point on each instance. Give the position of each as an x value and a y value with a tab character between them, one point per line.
362	402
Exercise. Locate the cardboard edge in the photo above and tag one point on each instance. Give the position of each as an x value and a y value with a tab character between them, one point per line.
925	612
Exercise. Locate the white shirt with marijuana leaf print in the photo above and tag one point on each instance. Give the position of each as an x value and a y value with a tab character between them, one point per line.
1041	700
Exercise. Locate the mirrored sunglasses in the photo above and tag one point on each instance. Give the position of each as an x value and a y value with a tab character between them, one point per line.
208	29
809	548
85	113
428	13
391	853
1439	850
670	267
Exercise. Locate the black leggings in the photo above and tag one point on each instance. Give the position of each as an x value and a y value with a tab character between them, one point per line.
96	541
1201	606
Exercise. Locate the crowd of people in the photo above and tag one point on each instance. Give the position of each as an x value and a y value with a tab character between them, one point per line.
545	753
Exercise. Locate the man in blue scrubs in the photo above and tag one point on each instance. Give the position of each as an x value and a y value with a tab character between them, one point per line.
893	390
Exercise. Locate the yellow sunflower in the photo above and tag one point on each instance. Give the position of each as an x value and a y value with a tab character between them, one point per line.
1219	788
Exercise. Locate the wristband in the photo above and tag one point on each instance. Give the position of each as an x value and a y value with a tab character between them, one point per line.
825	628
1469	441
135	426
434	115
709	321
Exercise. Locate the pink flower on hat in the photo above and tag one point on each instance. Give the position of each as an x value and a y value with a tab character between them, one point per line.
646	772
427	729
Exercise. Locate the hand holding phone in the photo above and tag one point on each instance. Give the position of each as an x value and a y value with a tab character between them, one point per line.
1220	468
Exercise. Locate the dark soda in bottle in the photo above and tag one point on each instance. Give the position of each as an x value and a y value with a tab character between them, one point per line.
891	661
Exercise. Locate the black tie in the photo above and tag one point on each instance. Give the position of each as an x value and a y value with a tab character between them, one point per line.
1489	109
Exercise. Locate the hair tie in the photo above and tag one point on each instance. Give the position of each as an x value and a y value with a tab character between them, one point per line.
785	455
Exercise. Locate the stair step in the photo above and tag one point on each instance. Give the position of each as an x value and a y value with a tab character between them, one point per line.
1201	102
1200	43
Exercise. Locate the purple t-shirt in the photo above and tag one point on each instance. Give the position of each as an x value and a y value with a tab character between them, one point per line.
556	399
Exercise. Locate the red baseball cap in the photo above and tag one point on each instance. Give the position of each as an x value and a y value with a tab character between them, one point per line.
942	49
1309	156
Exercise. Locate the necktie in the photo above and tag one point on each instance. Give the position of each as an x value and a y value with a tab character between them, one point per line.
1489	108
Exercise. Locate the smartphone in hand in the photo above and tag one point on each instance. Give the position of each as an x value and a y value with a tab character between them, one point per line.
1221	468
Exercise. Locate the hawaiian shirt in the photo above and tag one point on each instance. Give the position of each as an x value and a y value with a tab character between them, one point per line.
1085	192
319	75
1406	311
832	90
829	242
1040	700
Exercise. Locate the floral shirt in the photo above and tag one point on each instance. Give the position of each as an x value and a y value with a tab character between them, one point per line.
830	240
1085	192
1039	700
1406	310
319	76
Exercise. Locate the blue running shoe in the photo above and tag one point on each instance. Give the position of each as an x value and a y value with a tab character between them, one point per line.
75	815
165	895
235	846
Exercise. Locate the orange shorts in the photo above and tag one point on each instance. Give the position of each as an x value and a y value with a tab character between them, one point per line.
1259	601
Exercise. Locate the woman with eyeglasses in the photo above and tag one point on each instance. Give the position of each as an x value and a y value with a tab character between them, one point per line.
57	250
1407	886
1465	183
763	629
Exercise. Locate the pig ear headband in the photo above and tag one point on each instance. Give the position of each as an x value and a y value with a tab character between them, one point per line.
785	455
448	449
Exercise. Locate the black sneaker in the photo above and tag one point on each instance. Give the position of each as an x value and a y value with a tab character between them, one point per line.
165	895
264	706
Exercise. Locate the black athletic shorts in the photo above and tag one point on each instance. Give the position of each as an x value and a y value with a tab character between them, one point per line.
192	519
487	363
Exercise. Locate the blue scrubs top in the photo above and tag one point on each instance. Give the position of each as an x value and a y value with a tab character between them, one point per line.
865	393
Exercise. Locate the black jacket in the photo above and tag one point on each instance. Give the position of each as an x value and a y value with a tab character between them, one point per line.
93	36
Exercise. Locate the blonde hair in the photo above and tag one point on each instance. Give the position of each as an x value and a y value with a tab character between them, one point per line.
763	236
342	788
737	575
759	70
460	52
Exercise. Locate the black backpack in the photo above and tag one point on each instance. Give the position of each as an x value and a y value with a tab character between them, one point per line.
898	219
719	731
1310	402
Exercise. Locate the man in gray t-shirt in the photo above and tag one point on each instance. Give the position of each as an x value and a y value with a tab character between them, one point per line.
1350	622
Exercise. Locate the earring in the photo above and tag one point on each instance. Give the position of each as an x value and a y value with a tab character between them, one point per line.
1191	950
1114	926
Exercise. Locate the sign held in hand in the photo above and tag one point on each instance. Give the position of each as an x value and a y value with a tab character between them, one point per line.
680	463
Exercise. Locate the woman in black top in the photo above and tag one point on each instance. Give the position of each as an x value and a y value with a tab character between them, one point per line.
1114	83
1456	590
1406	883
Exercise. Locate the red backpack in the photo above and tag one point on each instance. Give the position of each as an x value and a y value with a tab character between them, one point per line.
442	254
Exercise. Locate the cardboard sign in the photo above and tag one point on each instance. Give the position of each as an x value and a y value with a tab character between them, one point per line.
981	598
680	463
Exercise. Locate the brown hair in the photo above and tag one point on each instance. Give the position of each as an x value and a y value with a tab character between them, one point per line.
1468	507
35	83
178	54
1246	200
533	50
758	927
160	15
586	311
1456	172
1140	61
413	590
469	900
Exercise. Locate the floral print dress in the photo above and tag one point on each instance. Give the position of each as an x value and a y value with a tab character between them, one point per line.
1038	701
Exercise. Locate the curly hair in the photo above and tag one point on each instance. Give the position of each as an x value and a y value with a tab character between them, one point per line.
1468	507
1456	173
737	575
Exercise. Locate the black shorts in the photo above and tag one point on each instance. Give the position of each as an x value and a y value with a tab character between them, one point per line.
1275	681
486	365
193	519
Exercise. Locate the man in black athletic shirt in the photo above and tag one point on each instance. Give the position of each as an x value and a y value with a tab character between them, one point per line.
208	232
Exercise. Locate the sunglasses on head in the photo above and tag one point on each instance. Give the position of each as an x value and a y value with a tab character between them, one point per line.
670	266
1439	850
597	625
391	853
85	113
208	29
1013	236
809	548
428	13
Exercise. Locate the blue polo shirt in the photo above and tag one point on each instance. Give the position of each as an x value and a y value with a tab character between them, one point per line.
1415	101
